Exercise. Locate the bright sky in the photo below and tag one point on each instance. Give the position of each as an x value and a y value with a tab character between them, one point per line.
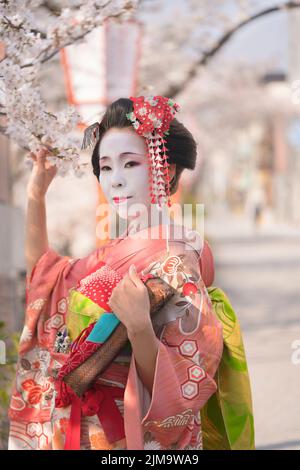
264	39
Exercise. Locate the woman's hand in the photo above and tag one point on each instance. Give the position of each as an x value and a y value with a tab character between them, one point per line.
42	174
130	303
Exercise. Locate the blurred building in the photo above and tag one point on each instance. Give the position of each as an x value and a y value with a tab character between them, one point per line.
12	261
293	131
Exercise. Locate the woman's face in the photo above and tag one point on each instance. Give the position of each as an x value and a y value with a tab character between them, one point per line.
124	171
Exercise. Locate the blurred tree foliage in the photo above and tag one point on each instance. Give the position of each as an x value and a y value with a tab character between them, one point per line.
7	375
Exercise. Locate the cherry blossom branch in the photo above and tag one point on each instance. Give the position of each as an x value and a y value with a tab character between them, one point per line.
174	90
72	41
27	120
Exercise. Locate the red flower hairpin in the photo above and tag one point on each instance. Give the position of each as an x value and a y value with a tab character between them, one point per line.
151	118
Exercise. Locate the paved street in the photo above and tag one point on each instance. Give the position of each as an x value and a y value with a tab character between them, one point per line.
260	272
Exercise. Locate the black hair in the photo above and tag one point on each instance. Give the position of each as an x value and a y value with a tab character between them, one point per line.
181	145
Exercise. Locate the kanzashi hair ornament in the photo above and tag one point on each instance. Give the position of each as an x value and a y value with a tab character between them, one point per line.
151	118
91	136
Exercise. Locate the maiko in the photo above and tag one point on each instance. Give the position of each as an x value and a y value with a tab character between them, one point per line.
112	460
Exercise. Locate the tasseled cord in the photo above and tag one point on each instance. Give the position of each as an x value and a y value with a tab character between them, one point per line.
159	180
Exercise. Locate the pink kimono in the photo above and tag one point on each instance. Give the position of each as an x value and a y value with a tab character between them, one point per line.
190	350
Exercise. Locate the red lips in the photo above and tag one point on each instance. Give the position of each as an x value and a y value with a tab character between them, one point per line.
121	199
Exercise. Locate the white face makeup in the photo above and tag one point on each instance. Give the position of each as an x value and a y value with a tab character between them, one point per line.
124	170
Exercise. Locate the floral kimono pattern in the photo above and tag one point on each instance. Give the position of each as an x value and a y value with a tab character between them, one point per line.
190	351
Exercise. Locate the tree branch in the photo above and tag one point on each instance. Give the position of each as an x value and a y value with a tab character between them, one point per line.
72	41
47	5
208	55
53	9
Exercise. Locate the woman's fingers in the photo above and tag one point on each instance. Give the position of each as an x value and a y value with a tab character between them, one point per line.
32	156
126	282
41	158
148	268
135	277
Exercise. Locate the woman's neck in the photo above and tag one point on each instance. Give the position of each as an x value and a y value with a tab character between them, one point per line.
158	217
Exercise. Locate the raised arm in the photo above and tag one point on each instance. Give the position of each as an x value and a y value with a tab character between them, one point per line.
36	237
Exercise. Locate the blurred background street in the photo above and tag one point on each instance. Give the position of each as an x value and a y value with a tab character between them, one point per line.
260	272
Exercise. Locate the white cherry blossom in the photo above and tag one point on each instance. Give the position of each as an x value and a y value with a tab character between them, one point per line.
28	121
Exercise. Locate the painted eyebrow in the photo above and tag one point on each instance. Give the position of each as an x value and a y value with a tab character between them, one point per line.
122	155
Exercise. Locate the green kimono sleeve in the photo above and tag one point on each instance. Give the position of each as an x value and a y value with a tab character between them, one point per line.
227	417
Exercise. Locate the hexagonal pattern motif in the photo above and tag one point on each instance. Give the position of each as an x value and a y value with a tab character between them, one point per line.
196	373
55	322
62	305
189	389
34	429
188	348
